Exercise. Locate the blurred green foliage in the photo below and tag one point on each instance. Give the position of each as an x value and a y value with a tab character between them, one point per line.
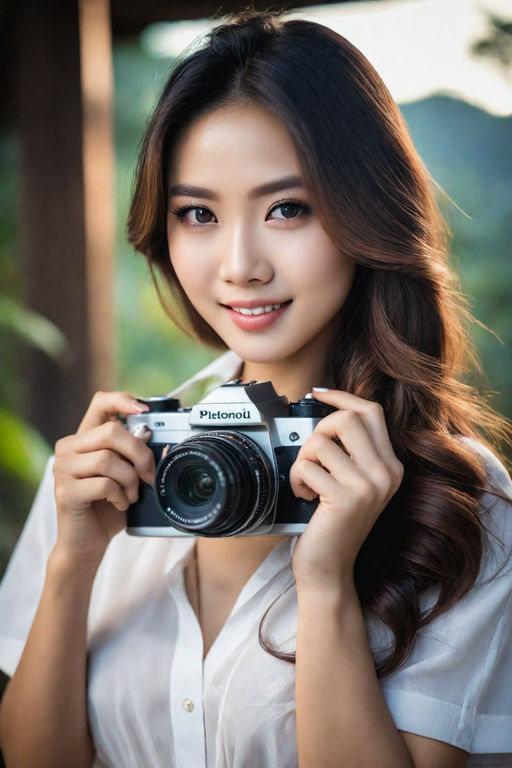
23	451
32	327
468	152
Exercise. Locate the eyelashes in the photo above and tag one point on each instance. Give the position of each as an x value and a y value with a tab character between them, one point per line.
181	211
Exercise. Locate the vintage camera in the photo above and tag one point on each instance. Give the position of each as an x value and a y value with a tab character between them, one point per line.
222	466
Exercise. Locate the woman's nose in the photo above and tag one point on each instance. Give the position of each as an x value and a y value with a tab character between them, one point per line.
242	257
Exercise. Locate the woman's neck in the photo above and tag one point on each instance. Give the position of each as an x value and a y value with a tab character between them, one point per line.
228	563
293	377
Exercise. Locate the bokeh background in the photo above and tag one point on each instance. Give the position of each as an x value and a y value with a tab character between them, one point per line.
448	63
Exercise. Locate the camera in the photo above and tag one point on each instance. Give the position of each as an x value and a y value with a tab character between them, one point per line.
223	465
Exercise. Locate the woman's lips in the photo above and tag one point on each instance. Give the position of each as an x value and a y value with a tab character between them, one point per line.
257	322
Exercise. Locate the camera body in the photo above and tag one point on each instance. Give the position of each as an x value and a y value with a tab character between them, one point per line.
222	466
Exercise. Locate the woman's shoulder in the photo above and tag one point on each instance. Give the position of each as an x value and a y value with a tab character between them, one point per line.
498	476
496	500
455	684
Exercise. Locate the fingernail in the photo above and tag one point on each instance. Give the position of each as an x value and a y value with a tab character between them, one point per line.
140	407
142	431
320	389
149	478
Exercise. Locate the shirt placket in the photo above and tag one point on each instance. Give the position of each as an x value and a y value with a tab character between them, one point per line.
186	683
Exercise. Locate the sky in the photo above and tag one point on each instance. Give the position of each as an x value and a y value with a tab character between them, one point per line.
419	47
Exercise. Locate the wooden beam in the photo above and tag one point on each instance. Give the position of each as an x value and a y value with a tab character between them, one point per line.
66	264
52	235
98	169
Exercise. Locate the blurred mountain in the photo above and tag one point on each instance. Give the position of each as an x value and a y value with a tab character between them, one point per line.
469	154
468	151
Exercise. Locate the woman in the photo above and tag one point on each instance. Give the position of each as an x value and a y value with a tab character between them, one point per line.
279	194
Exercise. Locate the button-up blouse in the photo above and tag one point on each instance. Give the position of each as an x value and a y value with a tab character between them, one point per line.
154	703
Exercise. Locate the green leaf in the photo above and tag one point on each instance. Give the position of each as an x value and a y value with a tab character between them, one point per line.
33	328
23	450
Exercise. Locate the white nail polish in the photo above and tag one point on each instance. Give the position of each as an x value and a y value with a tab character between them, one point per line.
320	389
142	430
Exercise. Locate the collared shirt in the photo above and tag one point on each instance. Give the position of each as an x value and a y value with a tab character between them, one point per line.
153	701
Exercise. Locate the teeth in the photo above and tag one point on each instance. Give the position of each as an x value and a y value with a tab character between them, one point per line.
257	310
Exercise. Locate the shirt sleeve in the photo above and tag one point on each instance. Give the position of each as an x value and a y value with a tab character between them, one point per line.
456	684
23	580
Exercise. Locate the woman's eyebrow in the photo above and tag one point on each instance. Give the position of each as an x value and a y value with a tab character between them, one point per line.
287	182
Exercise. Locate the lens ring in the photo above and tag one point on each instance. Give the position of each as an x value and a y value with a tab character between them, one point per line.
261	472
245	484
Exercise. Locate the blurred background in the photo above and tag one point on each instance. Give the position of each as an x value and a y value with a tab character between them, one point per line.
78	311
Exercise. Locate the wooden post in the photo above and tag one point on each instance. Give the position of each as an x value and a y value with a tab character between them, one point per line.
66	202
98	164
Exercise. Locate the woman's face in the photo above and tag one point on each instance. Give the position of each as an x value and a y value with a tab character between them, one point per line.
238	244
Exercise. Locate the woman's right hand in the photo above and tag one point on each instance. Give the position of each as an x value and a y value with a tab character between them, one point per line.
97	473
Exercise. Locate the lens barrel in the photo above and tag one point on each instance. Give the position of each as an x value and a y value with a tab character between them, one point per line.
218	483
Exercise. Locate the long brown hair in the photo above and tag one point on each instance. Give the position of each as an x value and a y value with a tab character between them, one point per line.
403	331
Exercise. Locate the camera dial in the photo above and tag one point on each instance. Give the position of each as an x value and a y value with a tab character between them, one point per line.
160	403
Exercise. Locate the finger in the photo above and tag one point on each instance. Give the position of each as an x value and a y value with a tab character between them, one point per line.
322	450
361	481
105	406
80	494
308	481
372	415
113	436
348	427
365	461
104	463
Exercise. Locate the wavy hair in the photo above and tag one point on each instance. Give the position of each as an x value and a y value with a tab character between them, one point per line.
402	336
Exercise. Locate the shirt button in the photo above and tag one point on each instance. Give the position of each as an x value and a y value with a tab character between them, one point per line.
188	705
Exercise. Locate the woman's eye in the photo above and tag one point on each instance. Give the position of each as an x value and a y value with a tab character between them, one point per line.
197	215
290	210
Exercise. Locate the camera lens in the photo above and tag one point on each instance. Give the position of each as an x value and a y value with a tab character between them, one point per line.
217	483
196	485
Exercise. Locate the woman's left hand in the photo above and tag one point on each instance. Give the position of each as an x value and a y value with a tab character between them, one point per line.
353	486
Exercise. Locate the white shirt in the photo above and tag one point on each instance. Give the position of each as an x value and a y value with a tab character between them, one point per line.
154	703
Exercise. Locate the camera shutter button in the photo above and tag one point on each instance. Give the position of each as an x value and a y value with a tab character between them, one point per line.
308	407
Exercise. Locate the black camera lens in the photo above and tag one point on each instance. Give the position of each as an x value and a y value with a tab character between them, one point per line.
197	485
216	484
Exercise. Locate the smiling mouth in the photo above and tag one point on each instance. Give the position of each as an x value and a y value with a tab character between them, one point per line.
263	309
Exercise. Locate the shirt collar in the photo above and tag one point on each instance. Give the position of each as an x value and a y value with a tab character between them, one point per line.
180	552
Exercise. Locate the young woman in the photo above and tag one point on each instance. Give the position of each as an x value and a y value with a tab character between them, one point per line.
277	175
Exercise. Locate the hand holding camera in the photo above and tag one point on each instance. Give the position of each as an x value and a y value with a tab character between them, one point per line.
97	474
350	465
